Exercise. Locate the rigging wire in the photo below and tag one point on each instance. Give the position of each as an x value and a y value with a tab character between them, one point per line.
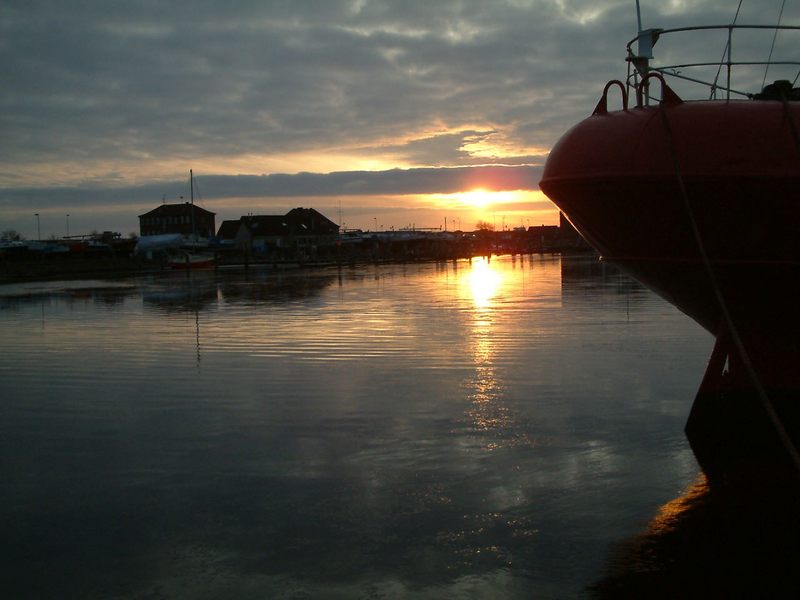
774	37
725	52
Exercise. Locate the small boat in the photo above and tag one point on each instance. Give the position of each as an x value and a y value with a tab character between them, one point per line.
700	201
188	260
156	243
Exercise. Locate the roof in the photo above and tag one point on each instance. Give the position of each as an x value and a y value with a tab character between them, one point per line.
310	219
298	221
175	210
228	229
267	225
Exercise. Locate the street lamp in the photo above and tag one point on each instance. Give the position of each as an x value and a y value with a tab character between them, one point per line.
67	224
38	228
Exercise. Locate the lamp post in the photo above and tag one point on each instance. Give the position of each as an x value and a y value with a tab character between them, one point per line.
67	224
38	228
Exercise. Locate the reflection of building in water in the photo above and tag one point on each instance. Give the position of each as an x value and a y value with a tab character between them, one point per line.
276	287
586	275
201	291
181	292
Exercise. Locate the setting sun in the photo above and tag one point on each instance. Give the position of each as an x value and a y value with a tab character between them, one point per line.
501	209
476	198
481	198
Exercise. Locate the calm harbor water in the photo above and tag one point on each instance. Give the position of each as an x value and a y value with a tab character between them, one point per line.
451	430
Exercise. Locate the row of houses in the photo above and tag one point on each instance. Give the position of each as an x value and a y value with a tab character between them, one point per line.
305	233
300	232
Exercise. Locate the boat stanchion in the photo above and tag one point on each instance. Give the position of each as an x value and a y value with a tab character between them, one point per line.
668	95
602	104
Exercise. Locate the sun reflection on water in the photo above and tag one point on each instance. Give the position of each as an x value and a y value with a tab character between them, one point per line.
488	417
484	283
671	513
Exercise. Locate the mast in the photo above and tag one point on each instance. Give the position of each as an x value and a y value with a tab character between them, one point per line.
191	197
639	15
646	38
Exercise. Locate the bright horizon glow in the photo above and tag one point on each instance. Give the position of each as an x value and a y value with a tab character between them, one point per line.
455	211
478	198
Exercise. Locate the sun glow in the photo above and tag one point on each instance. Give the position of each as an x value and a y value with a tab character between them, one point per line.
477	198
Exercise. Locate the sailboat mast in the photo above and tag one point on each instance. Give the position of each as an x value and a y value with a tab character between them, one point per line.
191	197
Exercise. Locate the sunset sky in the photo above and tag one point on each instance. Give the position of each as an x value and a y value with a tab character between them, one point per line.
382	113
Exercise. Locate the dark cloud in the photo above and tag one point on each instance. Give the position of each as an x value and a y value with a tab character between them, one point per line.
145	80
347	183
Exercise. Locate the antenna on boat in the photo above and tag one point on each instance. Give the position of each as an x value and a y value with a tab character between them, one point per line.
646	39
639	15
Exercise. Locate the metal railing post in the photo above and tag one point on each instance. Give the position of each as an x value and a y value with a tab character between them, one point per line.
730	54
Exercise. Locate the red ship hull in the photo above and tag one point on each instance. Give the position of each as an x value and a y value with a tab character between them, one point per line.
700	201
619	179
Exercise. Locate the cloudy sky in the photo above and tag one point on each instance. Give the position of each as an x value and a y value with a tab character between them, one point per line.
376	112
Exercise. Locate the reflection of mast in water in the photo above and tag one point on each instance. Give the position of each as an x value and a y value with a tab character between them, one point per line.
197	333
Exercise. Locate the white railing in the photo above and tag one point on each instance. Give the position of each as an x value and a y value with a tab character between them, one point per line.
739	68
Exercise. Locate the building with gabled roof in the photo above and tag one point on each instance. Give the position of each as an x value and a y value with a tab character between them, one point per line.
309	221
301	232
228	229
186	219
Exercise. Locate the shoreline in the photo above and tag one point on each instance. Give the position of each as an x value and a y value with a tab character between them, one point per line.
54	269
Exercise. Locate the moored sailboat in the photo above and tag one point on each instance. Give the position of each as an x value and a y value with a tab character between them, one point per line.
189	256
184	259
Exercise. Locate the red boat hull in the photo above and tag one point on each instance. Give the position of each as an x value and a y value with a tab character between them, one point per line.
191	263
621	178
700	201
